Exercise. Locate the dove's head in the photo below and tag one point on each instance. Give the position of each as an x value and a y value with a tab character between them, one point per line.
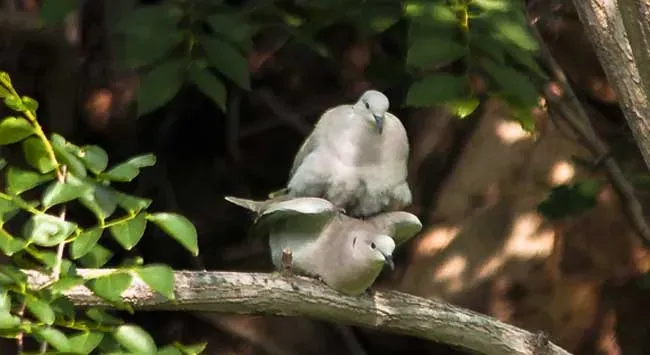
378	248
373	106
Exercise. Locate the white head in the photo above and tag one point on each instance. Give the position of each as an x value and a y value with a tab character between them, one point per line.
373	105
378	248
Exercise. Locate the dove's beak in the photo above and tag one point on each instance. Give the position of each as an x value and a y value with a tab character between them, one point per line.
388	260
379	122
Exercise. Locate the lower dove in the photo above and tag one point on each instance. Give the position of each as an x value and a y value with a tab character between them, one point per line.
344	252
356	157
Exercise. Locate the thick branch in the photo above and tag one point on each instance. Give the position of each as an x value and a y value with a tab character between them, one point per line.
274	294
618	29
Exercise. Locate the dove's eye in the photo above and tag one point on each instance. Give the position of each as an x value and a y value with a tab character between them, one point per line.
367	105
372	245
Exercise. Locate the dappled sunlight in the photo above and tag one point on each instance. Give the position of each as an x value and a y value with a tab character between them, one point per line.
490	267
511	132
526	241
436	239
451	272
562	173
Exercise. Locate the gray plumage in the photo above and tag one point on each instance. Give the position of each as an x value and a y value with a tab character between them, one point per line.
346	253
356	157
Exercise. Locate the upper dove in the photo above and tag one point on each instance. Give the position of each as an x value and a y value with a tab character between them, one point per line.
356	157
344	252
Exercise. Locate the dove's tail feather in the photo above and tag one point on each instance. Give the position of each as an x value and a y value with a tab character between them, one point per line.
251	205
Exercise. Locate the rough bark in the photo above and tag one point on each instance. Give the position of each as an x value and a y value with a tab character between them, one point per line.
274	294
620	33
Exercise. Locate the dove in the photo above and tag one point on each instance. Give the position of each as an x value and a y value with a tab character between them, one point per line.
346	253
356	157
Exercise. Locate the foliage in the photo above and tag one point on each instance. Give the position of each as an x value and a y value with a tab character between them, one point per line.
570	200
56	174
206	43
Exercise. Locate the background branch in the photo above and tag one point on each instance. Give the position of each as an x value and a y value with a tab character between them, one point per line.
274	294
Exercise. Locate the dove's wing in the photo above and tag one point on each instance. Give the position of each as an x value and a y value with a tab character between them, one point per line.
399	225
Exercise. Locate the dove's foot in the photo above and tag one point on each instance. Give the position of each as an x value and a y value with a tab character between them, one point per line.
370	292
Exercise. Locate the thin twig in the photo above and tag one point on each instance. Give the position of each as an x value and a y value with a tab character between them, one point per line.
571	110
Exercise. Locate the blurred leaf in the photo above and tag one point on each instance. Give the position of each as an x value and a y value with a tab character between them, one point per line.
169	350
84	242
487	45
210	85
430	13
4	92
8	321
128	170
376	17
129	233
144	51
434	52
523	115
97	257
516	33
463	108
227	60
94	157
65	283
5	301
59	192
110	287
159	85
179	228
151	20
527	59
8	244
30	104
85	342
135	339
514	85
493	5
159	277
15	103
19	180
570	200
14	129
41	310
55	11
10	275
54	337
49	258
233	26
5	80
437	89
132	204
63	149
36	155
47	230
194	349
65	310
102	317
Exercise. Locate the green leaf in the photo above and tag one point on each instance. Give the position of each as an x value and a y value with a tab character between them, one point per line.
8	321
570	200
30	104
4	92
5	301
47	230
49	258
193	349
102	317
128	170
97	257
15	103
5	80
54	337
516	33
144	51
84	242
59	192
55	11
19	180
94	157
132	204
463	108
10	275
14	129
437	89
525	58
135	339
159	277
40	310
102	201
62	149
434	52
129	233
110	287
513	84
10	245
431	13
179	228
234	26
210	85
85	342
65	283
159	85
36	155
169	350
151	20
227	60
493	5
487	45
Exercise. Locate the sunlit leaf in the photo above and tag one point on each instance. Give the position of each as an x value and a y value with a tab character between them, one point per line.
159	277
437	89
85	342
65	283
30	104
193	349
128	170
19	180
36	155
463	108
97	257
210	85
179	228
8	321
14	129
47	230
135	339
129	233
63	149
54	337
40	310
159	85
132	204
59	192
84	242
227	60
8	244
110	287
15	103
94	157
169	350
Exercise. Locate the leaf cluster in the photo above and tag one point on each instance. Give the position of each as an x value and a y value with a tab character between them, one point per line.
67	173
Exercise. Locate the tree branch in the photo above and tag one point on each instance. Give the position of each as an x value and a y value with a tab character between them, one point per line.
619	32
274	294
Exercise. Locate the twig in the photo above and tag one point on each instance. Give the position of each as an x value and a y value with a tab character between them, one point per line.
571	110
275	294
